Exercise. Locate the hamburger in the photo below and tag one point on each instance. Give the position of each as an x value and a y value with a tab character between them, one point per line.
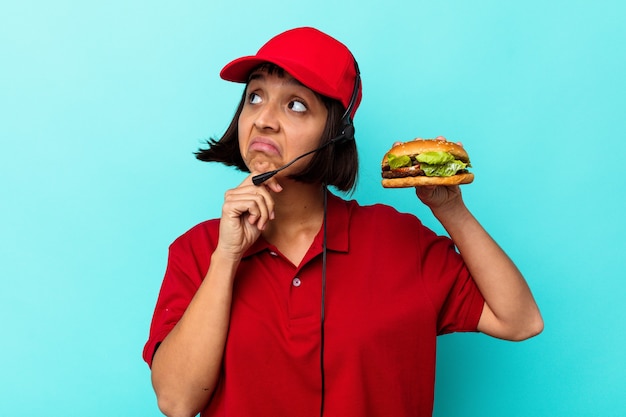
425	162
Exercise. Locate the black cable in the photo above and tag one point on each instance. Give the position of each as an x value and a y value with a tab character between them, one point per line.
261	178
322	317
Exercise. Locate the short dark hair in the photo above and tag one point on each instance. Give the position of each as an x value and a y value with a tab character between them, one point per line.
336	165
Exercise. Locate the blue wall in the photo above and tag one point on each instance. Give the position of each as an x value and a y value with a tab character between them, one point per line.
103	103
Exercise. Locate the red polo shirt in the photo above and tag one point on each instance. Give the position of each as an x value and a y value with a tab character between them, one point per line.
392	286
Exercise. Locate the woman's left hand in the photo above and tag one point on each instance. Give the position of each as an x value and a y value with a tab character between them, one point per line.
439	196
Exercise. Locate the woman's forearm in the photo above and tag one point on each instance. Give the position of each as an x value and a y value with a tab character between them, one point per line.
186	367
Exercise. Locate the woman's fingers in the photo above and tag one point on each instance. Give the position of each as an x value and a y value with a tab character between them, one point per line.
252	202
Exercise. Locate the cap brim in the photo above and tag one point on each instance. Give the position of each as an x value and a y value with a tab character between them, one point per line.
239	70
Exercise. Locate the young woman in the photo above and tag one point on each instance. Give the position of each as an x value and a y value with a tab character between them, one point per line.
297	302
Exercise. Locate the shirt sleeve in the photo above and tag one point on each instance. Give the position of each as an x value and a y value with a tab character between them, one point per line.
456	297
188	261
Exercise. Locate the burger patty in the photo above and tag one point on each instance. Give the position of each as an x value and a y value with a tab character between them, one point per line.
412	171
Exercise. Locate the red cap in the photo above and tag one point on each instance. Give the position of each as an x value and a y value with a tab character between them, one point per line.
318	61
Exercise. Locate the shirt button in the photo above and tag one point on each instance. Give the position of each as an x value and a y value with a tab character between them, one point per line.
296	282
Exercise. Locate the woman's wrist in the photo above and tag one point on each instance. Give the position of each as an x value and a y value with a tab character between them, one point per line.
453	211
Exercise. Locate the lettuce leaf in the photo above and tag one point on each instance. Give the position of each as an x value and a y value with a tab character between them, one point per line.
396	162
446	170
435	158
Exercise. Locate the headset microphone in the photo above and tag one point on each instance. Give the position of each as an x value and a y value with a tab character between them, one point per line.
261	178
347	132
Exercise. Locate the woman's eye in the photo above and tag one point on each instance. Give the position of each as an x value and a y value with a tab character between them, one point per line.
297	106
254	98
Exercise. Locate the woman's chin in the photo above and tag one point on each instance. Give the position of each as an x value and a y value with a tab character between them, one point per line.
260	166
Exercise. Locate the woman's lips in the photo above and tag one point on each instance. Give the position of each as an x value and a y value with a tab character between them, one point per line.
263	145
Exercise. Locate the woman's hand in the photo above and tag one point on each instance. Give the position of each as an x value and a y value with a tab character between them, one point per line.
246	212
438	197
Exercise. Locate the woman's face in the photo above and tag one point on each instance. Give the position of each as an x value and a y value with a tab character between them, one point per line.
281	119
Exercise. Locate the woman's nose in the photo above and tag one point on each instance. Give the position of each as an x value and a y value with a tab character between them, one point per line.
267	117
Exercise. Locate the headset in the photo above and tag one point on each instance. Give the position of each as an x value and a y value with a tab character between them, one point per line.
347	134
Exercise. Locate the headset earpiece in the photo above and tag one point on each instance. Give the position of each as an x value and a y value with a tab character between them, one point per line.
347	129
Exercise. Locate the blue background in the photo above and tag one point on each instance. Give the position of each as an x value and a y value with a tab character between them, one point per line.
103	103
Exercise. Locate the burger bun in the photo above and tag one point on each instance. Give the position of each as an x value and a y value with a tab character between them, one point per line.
424	180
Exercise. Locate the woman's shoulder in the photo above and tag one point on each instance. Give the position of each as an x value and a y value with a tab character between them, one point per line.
203	233
380	213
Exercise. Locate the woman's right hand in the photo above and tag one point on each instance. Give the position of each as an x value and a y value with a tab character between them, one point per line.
247	210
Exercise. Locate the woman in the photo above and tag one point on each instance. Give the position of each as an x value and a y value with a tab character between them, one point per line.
299	303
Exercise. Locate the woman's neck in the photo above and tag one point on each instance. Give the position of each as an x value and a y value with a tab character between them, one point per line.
299	203
299	213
